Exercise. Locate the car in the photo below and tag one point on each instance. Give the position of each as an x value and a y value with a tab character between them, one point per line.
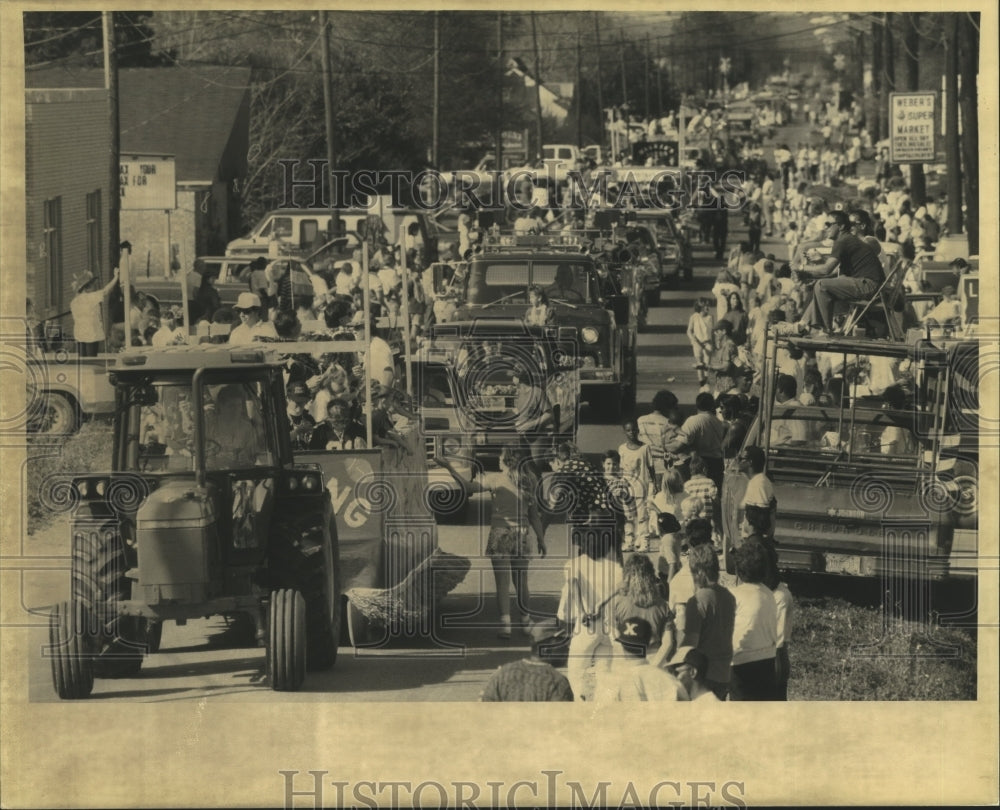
673	245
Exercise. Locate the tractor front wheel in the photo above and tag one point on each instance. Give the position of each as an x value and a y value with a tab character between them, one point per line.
286	640
71	643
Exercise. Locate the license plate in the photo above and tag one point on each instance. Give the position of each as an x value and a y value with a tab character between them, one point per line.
843	564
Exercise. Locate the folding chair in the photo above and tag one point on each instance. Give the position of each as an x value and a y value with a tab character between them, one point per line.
885	298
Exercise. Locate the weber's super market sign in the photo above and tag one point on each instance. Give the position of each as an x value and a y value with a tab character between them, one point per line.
912	127
147	182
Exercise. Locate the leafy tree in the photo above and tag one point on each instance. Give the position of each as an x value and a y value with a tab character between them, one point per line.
77	38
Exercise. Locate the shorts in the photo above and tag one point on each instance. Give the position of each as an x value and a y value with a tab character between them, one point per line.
510	541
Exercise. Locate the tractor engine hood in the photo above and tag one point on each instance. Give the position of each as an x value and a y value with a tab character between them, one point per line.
176	535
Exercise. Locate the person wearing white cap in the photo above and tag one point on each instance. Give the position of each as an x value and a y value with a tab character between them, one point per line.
251	326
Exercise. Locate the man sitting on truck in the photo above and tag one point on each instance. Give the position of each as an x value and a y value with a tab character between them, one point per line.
861	272
787	431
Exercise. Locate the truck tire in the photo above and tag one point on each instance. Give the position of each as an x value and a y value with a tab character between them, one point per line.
100	585
322	628
58	416
312	574
286	640
71	647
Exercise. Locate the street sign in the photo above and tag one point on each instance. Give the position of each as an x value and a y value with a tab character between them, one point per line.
514	140
147	182
912	128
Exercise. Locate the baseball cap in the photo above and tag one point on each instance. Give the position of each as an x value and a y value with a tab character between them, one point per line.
691	657
634	634
298	390
247	300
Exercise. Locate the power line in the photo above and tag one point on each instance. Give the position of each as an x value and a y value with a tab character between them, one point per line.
66	32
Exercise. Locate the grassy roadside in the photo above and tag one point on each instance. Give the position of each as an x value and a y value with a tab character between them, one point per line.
845	651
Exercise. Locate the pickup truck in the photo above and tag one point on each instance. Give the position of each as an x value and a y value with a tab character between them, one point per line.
68	388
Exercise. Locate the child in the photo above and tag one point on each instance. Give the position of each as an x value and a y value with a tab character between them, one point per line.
792	238
760	490
637	469
384	433
723	357
620	498
699	332
538	311
664	523
700	486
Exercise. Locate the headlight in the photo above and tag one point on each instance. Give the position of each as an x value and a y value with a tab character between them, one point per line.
451	447
589	334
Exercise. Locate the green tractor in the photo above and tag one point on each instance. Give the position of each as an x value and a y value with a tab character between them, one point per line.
205	512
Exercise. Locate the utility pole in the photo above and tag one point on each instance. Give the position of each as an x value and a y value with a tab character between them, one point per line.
659	83
621	55
114	156
888	70
437	90
645	78
880	129
953	153
500	81
911	52
578	93
538	84
600	77
324	24
968	101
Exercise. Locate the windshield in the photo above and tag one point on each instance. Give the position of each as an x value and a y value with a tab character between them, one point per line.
161	433
565	281
828	432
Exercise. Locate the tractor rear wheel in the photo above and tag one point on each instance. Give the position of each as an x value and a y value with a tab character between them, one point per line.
286	640
71	647
100	584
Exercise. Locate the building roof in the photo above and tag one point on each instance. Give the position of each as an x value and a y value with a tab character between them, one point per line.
186	112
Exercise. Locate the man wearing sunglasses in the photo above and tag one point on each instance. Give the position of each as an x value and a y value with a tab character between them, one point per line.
860	274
